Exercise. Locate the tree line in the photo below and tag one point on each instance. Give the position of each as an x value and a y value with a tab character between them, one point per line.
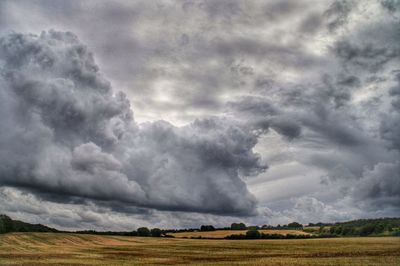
362	227
9	225
367	227
255	234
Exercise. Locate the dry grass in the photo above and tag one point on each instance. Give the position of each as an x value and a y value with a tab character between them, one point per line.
224	233
72	249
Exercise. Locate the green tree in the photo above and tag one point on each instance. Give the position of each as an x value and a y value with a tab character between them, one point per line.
143	231
155	232
379	228
6	224
295	225
253	227
367	230
207	228
238	226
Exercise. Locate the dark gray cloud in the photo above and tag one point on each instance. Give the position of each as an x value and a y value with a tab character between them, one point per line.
391	5
69	133
390	126
379	187
366	56
338	12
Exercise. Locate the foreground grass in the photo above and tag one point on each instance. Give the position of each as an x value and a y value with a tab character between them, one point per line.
73	249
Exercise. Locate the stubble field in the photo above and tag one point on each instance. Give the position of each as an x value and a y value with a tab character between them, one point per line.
73	249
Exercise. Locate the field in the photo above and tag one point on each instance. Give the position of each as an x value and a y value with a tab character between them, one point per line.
224	233
73	249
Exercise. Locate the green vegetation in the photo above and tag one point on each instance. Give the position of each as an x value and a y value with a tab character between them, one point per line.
219	234
363	227
8	225
143	231
367	227
155	232
207	228
295	225
238	226
253	234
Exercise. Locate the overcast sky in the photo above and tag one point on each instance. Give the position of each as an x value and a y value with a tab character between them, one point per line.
120	114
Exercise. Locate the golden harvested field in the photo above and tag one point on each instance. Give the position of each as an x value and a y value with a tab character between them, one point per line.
73	249
224	233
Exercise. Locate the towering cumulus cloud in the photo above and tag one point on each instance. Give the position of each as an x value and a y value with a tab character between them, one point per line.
64	131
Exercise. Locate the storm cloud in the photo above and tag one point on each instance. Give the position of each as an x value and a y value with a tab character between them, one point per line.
66	131
179	113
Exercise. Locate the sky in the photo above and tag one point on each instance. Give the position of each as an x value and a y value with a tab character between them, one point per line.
174	114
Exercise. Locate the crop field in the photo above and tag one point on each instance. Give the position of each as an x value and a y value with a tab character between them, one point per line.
224	233
73	249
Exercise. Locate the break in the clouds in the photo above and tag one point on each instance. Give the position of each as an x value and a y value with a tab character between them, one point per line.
178	113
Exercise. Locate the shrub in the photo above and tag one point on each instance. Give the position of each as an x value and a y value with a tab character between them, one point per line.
253	234
239	236
396	233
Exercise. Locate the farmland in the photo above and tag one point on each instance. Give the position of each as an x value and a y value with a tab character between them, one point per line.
75	249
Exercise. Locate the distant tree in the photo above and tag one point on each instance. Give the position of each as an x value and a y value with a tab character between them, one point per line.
6	224
338	230
379	228
396	233
321	229
2	227
155	232
367	230
253	227
132	233
347	230
295	225
332	230
143	231
253	234
207	228
238	226
364	227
